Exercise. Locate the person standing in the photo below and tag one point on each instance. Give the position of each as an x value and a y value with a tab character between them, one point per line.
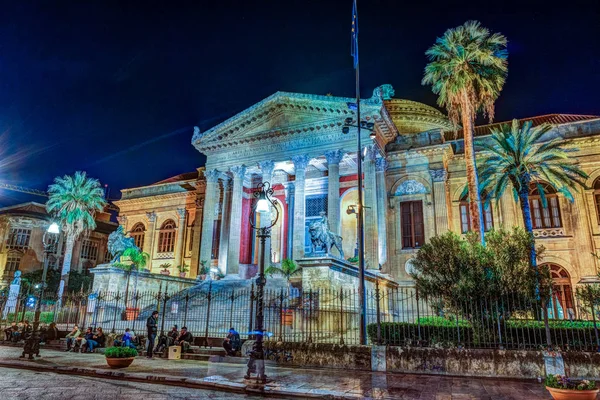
152	328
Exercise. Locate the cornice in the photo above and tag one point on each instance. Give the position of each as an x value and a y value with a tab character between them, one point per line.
158	197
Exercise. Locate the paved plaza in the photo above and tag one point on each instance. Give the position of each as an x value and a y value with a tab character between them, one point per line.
87	375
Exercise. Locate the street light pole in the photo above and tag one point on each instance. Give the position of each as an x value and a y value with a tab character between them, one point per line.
32	343
266	206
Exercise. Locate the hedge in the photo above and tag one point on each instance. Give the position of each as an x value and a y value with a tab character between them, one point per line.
518	335
45	317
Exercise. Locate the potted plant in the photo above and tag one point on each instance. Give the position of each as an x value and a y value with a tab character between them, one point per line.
183	269
204	270
564	388
219	275
165	269
120	357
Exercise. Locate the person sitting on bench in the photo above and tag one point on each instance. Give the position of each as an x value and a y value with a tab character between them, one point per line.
72	337
232	343
185	339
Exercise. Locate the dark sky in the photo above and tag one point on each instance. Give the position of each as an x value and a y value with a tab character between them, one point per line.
114	88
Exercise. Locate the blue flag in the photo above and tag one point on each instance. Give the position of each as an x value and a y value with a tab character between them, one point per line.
354	43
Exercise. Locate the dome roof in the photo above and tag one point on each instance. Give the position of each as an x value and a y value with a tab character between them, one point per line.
414	117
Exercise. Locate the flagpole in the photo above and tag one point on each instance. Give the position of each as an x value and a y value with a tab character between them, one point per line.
361	233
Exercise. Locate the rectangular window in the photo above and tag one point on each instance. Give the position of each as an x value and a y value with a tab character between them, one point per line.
18	238
488	220
555	212
12	264
138	239
166	241
537	215
413	231
597	200
191	239
465	223
89	249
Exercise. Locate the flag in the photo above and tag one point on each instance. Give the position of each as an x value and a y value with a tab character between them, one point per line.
354	43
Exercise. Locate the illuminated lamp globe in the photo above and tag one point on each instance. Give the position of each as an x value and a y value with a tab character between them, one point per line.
53	228
263	204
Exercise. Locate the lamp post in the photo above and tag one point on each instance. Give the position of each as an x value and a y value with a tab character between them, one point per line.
266	207
32	344
370	126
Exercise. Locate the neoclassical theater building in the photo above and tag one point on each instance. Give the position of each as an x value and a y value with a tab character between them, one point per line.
414	175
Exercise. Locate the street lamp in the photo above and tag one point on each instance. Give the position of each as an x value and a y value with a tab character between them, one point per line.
266	207
50	238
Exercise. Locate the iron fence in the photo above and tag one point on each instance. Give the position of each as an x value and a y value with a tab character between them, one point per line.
395	316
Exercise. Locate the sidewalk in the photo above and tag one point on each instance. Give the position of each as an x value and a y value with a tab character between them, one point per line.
287	382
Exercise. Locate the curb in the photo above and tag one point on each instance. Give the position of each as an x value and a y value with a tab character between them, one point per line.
194	383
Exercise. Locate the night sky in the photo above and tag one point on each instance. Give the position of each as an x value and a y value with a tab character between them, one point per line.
114	89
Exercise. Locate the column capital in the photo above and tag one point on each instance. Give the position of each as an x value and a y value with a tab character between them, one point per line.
334	157
370	152
181	213
212	175
238	171
381	164
266	167
151	216
438	175
122	219
300	161
199	202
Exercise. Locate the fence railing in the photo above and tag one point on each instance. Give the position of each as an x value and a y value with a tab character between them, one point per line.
398	316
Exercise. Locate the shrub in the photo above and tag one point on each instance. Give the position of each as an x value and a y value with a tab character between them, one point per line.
45	317
120	352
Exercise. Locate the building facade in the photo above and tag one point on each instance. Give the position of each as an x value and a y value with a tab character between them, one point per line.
22	229
414	175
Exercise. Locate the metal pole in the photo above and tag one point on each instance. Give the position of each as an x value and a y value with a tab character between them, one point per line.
361	238
263	234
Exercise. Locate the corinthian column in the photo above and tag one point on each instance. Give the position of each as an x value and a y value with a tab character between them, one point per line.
439	176
289	199
180	236
235	223
211	196
266	168
300	164
381	165
370	211
333	189
225	224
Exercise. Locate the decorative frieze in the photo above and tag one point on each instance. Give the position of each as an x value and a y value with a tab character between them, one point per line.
410	187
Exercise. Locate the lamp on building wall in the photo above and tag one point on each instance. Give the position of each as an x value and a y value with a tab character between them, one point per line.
370	126
269	214
49	240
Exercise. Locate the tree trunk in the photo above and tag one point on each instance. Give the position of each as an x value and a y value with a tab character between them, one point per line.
475	210
526	211
66	268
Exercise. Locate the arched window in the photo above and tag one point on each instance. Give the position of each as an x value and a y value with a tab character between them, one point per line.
137	233
597	198
465	215
544	217
562	292
166	238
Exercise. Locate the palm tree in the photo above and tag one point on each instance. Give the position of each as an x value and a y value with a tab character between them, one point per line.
467	70
514	156
74	201
288	270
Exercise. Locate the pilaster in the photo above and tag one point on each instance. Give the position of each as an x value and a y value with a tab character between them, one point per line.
370	208
381	165
149	236
439	177
289	199
235	223
300	164
333	189
181	213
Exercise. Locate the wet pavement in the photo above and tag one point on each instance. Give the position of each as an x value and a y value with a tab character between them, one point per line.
292	382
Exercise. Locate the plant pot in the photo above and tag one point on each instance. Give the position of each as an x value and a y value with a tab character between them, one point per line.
116	363
165	272
567	394
182	274
131	313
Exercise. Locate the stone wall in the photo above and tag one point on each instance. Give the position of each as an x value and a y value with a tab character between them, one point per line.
108	278
456	362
